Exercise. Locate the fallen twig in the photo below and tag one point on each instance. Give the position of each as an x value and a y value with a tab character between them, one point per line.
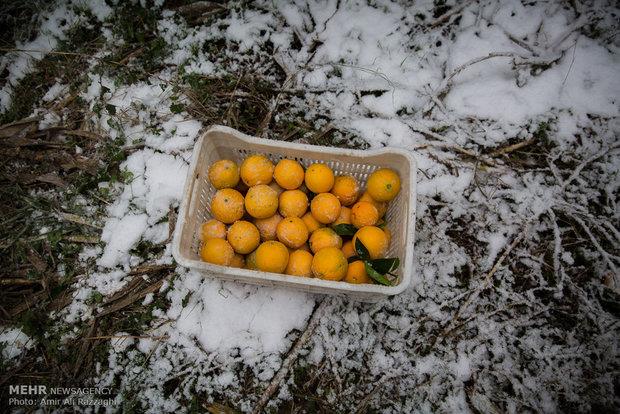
603	252
126	336
18	282
291	358
557	247
82	239
512	148
487	281
581	166
150	268
74	218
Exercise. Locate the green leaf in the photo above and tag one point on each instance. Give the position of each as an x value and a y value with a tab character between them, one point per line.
384	266
176	108
345	229
378	277
111	109
361	250
382	225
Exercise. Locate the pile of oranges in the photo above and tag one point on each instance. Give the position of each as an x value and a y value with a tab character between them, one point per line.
284	219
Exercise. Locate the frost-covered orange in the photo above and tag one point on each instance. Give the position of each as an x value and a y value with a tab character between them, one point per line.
267	227
363	214
319	178
374	239
243	236
289	174
227	205
250	261
346	189
217	251
256	169
325	208
329	264
276	187
224	174
388	235
383	184
347	249
293	203
292	231
299	264
212	229
237	261
344	217
356	273
324	237
311	222
381	206
272	256
261	201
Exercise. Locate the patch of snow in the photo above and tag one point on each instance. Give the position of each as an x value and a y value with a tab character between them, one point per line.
14	342
121	235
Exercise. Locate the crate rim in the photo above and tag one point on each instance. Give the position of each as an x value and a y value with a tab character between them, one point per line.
280	280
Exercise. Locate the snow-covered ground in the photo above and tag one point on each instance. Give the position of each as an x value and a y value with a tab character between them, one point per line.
478	329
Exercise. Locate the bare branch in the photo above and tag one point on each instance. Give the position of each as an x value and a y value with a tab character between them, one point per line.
585	163
606	256
557	248
291	358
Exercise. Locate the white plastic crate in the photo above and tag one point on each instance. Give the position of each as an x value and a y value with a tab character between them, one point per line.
221	142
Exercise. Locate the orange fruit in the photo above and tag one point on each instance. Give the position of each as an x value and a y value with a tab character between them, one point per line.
319	178
305	247
348	250
324	237
374	239
212	229
276	187
256	169
356	273
237	261
289	174
243	236
325	208
344	217
292	231
267	227
293	203
383	184
299	264
227	205
311	222
388	235
224	174
250	261
363	214
261	201
381	206
272	256
217	251
329	264
346	189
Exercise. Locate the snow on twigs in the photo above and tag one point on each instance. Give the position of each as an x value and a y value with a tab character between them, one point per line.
511	111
